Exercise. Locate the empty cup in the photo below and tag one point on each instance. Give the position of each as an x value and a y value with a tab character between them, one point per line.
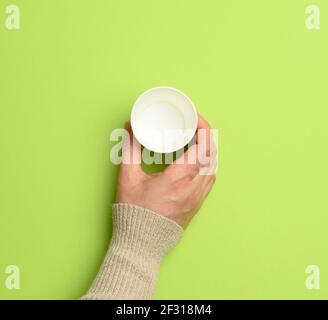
164	120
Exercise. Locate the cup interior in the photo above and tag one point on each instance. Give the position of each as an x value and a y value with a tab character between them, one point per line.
164	119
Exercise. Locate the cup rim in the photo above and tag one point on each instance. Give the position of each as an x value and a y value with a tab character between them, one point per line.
170	89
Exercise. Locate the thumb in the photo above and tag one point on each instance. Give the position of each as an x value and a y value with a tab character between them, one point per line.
131	152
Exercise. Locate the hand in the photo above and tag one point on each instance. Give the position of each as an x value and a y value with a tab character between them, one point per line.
179	191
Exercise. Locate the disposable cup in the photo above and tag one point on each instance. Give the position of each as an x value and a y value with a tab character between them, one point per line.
164	119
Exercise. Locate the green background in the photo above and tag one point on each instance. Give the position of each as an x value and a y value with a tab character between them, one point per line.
69	77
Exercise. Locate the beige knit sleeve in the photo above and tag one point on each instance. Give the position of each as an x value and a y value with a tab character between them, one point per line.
141	239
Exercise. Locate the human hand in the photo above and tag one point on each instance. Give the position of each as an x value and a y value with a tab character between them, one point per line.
179	191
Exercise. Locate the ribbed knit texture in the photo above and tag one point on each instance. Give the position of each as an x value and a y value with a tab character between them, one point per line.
141	239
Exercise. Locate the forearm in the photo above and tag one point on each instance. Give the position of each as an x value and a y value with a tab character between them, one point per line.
141	239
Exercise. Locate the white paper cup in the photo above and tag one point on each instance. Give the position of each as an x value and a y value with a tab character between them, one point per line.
164	120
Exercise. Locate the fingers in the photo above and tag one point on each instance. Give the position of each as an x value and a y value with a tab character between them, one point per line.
203	135
208	185
211	167
205	142
205	177
199	159
186	165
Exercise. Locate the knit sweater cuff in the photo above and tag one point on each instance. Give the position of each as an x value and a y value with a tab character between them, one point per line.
141	239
